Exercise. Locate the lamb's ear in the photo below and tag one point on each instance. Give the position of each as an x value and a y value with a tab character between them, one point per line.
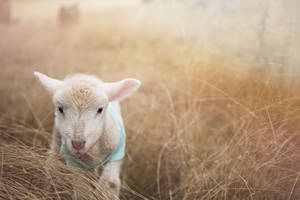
50	84
120	90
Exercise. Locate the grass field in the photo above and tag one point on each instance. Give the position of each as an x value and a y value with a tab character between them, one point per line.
217	116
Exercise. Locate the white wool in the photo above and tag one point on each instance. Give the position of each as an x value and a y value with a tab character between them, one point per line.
77	100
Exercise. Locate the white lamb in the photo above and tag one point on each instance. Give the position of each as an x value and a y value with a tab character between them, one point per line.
88	128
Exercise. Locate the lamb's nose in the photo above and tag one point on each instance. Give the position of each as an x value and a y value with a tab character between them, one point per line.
78	144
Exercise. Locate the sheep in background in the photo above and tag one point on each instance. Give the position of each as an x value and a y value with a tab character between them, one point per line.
88	128
68	15
5	11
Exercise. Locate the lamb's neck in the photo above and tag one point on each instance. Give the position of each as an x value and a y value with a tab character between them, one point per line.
106	144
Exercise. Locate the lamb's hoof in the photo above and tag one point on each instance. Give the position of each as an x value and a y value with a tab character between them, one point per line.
113	185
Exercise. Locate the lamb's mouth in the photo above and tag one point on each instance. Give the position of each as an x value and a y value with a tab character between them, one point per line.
78	152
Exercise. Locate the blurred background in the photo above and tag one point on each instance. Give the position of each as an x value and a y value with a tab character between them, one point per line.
217	116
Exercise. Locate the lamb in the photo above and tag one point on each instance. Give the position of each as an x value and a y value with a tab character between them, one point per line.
88	128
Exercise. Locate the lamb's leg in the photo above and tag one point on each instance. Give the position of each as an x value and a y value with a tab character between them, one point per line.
91	174
54	149
111	176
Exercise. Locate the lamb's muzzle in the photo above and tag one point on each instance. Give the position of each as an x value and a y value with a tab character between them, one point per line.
78	145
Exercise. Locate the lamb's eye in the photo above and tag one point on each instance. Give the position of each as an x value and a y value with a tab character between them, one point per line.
61	110
100	110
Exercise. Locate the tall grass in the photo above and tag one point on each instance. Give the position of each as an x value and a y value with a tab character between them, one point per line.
206	124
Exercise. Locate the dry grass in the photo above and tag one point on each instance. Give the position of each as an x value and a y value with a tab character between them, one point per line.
207	124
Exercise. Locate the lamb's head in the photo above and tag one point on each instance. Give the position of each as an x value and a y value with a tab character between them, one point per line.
80	106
